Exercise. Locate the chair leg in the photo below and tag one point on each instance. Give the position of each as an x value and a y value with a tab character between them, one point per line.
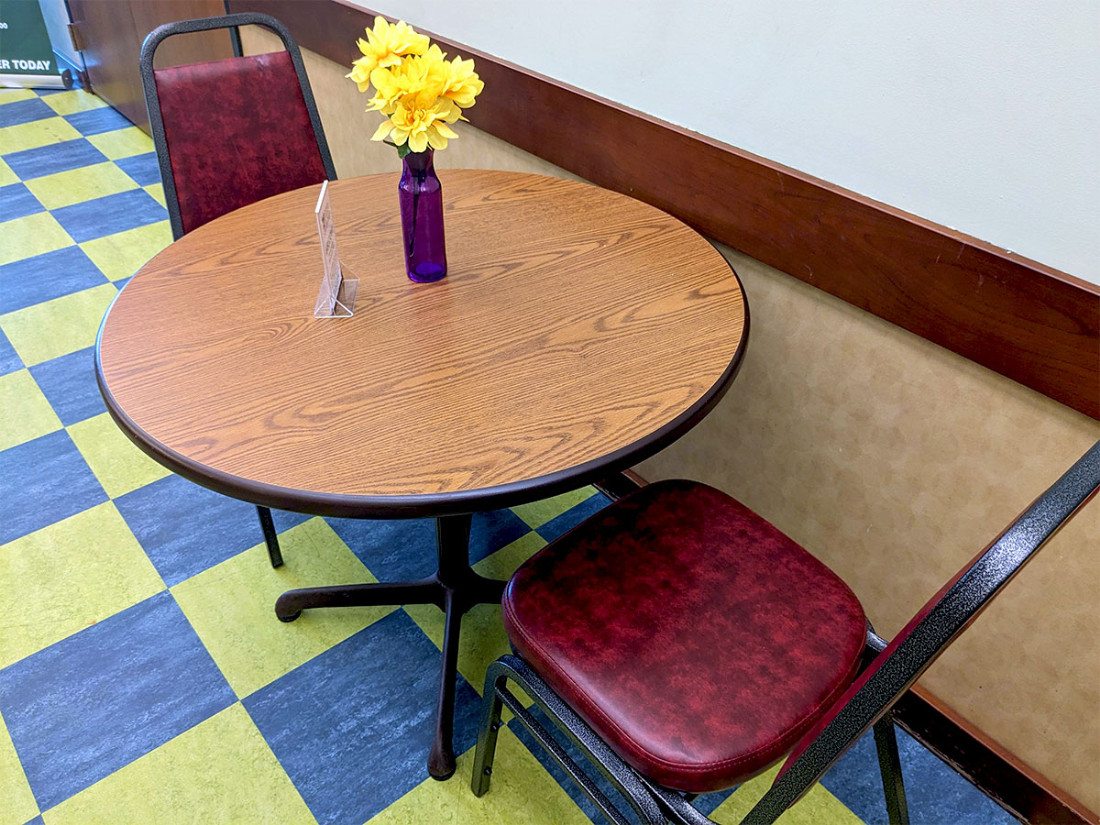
889	764
511	668
270	536
491	708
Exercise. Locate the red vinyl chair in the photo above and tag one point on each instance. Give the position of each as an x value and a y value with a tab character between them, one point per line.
685	645
232	132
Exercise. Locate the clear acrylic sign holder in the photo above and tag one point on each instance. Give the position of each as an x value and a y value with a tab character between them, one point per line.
337	296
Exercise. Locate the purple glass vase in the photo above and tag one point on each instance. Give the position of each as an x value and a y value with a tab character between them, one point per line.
421	199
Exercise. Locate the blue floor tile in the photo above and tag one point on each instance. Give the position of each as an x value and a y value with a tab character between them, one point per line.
16	201
56	157
571	518
45	277
935	792
96	121
24	111
82	708
392	549
43	481
9	359
69	385
353	726
402	550
185	528
142	168
106	216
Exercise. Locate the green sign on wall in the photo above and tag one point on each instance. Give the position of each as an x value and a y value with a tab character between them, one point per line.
26	57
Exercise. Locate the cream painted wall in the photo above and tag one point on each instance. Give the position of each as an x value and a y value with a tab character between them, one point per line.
981	116
887	456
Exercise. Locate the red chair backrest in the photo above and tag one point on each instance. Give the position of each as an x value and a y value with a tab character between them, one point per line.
237	131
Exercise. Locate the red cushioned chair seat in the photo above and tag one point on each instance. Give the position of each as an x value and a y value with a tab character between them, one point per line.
696	639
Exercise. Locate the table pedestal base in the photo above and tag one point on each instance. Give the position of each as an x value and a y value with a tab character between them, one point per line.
454	589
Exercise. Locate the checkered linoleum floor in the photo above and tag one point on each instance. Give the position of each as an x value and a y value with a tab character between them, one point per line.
143	675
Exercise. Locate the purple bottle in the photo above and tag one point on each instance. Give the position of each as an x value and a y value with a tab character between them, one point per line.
421	197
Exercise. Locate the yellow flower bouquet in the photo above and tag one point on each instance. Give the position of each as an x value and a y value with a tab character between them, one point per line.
421	94
419	91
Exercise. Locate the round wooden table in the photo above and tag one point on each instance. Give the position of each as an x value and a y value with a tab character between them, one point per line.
577	332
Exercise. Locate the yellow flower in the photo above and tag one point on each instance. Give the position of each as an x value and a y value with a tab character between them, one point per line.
462	84
415	87
385	45
420	128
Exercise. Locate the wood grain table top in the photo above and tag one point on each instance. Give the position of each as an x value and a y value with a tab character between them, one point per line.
577	332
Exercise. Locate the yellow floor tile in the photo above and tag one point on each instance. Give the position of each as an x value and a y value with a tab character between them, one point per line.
58	327
120	256
7	177
79	185
72	101
537	513
522	793
36	133
13	95
117	463
232	606
19	805
24	411
31	235
67	576
156	192
122	143
817	807
219	771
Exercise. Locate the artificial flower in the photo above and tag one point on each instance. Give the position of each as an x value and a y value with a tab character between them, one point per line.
418	128
385	45
418	90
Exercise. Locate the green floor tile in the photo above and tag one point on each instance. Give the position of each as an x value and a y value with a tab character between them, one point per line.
79	185
65	577
220	771
58	327
537	513
120	256
24	411
36	133
117	463
31	235
73	101
17	803
15	95
522	793
817	807
7	177
232	606
122	143
156	192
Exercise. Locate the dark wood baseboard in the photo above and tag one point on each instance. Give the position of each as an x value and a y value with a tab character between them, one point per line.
1020	790
1027	321
1017	788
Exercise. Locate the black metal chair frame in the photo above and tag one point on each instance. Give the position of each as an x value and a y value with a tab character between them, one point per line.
232	22
869	707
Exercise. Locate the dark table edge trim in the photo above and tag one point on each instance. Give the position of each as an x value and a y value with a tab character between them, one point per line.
1022	319
435	504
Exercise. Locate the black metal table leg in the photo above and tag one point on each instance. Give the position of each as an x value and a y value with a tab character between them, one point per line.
454	588
441	757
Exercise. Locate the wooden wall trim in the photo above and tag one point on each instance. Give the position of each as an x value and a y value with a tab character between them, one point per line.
1027	321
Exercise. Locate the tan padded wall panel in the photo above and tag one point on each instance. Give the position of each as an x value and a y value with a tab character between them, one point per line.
892	459
895	461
